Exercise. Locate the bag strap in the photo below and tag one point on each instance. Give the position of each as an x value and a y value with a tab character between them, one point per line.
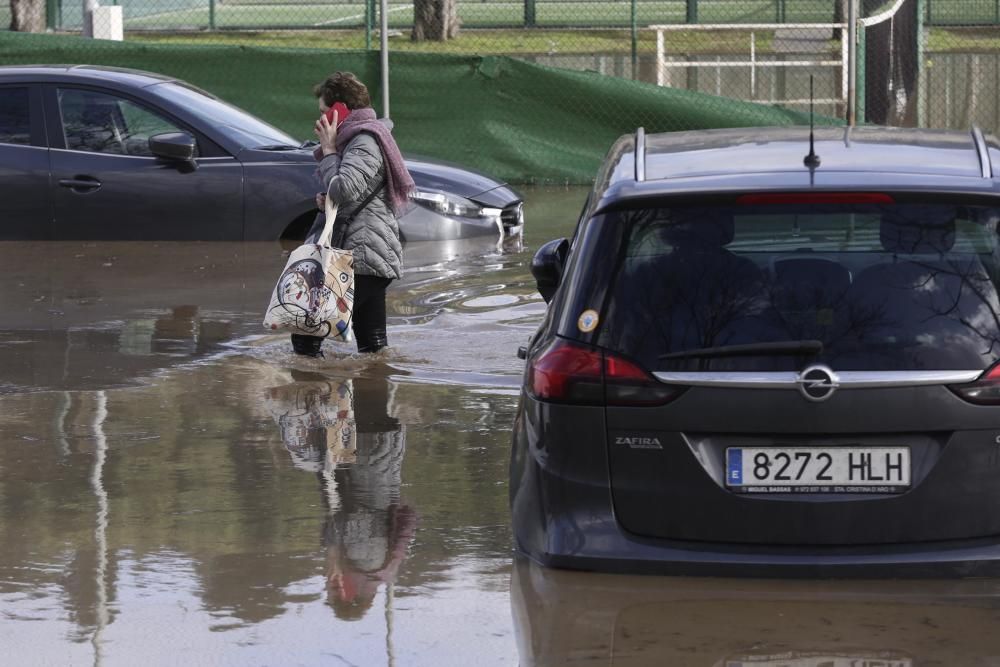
367	200
331	215
331	212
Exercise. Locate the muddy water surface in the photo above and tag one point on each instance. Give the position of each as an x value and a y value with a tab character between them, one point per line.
178	488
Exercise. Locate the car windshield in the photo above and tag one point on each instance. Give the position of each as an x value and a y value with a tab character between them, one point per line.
766	288
233	122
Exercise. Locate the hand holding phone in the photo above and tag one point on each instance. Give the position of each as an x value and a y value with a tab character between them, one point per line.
341	110
327	132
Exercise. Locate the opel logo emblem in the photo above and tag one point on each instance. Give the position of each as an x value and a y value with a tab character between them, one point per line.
817	383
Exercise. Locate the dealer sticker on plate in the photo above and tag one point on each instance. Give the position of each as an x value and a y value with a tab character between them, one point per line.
818	470
817	659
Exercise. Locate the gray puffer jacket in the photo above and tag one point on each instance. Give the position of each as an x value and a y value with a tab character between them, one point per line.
373	235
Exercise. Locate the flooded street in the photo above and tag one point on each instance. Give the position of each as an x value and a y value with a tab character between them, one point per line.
176	487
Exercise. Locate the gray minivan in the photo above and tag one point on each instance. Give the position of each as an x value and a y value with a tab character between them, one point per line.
762	358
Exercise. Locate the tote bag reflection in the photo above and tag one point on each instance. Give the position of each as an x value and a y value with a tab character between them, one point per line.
315	293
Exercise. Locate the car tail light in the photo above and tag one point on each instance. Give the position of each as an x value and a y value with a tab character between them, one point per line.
984	391
766	198
568	372
565	372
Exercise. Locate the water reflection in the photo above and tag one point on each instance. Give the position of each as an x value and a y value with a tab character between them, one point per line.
167	481
342	430
564	617
101	527
77	357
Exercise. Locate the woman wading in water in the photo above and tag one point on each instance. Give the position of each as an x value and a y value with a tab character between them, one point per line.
363	170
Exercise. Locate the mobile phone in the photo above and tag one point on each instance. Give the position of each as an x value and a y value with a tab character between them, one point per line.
341	110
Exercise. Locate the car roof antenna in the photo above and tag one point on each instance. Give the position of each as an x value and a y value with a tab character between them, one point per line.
812	160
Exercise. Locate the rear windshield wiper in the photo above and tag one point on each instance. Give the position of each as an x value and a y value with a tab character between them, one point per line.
782	348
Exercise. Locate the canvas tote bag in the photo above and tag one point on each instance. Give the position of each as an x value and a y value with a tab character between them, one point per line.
315	293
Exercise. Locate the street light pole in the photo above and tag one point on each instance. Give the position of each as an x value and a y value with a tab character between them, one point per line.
384	47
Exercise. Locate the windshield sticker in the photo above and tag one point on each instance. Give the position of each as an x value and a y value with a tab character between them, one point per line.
588	321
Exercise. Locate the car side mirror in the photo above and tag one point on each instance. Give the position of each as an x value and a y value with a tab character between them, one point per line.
547	267
174	146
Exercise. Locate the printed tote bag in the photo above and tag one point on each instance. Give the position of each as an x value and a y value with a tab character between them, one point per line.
315	293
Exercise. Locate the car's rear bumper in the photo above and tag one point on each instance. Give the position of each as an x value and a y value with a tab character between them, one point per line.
563	516
968	559
590	538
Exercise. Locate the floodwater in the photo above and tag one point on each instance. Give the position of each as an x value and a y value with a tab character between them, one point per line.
177	488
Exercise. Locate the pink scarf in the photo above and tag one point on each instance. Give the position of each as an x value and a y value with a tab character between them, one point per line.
399	182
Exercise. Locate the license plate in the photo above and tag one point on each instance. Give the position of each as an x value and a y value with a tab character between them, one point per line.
818	469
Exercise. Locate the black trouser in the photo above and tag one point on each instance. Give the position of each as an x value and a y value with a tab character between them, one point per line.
367	320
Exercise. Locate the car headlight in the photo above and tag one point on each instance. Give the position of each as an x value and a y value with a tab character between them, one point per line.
450	204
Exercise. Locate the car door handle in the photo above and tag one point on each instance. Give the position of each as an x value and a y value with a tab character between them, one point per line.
81	183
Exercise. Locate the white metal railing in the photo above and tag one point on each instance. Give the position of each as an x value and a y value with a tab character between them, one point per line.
664	66
884	16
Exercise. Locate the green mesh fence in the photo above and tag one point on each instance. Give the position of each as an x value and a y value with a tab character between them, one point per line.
520	121
577	71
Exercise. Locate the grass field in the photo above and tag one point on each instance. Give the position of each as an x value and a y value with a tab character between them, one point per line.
483	42
313	22
275	14
543	41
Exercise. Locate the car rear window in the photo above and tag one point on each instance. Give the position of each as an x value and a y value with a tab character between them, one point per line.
879	286
15	117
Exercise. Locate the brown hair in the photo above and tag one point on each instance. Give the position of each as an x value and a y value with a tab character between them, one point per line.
343	87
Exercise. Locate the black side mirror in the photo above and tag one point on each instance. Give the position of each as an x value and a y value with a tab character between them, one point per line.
547	267
174	146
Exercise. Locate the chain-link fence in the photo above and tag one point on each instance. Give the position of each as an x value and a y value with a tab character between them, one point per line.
932	63
159	15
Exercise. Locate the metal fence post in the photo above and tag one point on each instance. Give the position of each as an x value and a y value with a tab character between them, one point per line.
921	65
635	40
51	8
529	13
369	21
852	62
211	14
661	70
861	91
692	11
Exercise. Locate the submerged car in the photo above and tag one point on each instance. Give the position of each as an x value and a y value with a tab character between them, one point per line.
103	153
763	359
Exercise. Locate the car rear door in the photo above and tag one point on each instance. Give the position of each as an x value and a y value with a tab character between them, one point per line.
106	184
25	208
820	355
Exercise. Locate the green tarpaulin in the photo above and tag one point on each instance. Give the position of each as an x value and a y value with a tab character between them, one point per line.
513	119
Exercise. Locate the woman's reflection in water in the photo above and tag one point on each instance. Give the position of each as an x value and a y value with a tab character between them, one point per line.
342	430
